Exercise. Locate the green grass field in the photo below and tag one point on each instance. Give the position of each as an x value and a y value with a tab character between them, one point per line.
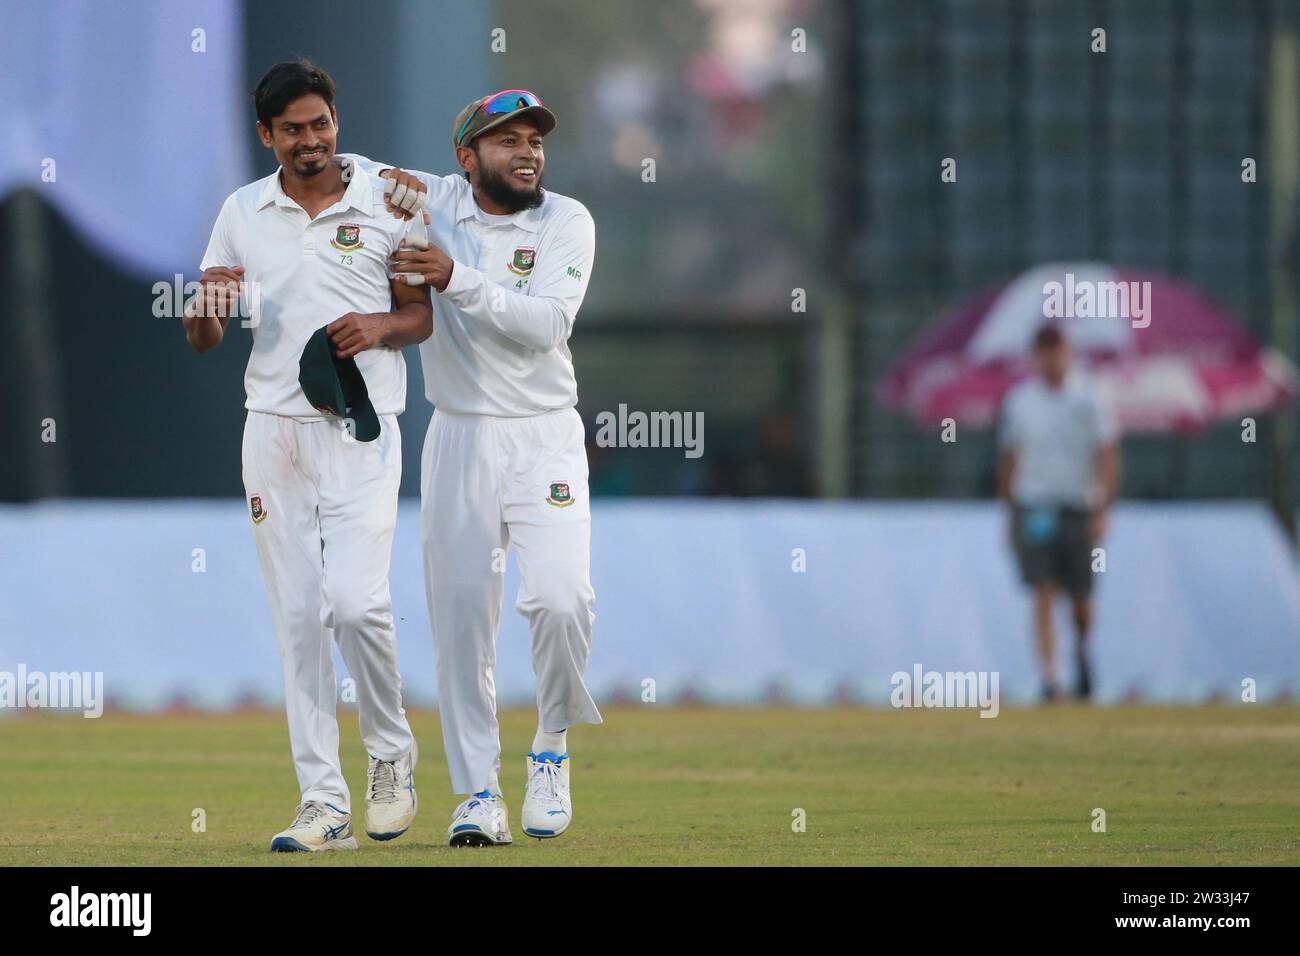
657	785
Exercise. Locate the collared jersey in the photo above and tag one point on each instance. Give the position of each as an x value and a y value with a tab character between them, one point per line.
501	327
304	273
1056	434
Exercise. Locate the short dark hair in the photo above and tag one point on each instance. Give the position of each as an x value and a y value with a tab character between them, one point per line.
286	82
1048	337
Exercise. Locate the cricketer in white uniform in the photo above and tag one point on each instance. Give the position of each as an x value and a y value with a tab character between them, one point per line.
504	460
311	244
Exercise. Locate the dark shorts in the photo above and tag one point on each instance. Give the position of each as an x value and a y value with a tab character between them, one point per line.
1054	546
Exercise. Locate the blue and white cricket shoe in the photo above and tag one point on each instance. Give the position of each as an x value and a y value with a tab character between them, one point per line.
481	820
390	796
316	826
548	809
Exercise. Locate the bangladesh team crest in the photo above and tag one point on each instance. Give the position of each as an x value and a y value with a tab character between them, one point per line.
522	263
255	507
560	496
348	237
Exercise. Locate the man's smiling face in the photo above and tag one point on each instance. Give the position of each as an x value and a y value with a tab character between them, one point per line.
505	165
303	136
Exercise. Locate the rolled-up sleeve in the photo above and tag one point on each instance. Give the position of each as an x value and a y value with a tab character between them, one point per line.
431	182
223	244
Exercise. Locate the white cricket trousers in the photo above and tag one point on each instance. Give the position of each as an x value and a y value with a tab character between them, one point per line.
487	483
323	507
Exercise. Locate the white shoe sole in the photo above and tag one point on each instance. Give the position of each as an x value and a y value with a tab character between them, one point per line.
383	837
394	834
283	844
386	835
544	834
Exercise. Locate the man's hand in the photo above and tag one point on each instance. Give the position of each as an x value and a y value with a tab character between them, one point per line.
209	309
420	266
218	291
355	332
404	194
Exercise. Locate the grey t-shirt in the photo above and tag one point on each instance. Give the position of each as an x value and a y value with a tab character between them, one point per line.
1056	434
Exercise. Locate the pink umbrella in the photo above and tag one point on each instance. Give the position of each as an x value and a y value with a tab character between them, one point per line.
1171	359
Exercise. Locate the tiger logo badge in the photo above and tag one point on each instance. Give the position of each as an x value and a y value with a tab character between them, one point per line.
522	264
559	495
348	237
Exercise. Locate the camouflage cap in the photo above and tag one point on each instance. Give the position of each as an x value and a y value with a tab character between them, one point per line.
473	120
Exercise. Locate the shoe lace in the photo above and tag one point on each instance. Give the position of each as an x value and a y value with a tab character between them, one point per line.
469	803
545	780
383	781
307	813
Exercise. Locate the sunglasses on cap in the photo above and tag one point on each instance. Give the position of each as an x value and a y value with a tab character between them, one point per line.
507	101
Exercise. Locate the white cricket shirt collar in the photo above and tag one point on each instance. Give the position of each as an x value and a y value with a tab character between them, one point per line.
528	219
357	195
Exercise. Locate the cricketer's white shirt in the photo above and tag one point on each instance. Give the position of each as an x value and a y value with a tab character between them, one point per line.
1056	434
501	327
304	273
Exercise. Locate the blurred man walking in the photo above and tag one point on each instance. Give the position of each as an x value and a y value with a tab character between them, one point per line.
1058	472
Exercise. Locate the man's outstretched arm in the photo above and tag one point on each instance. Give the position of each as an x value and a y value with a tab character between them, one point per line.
406	192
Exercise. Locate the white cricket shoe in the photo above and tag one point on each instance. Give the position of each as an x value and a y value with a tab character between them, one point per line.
390	796
482	820
316	826
548	810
